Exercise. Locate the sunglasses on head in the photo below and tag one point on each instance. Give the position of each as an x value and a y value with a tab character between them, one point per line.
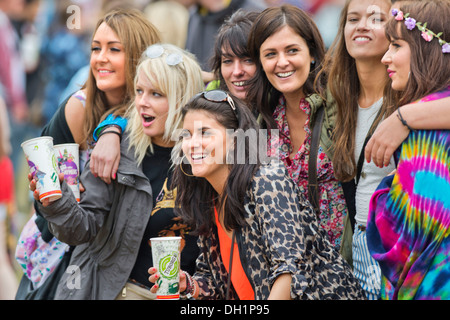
219	96
156	51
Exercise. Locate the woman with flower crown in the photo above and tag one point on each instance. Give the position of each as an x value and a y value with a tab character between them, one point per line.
409	218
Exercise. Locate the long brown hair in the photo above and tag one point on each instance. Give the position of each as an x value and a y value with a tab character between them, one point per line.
344	86
430	67
261	94
136	33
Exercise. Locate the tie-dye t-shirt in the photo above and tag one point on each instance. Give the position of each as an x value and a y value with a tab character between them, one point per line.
409	219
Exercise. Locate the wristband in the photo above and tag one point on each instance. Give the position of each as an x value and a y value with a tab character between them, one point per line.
403	121
105	132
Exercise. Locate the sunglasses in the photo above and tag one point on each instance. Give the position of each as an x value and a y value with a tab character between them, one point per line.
219	96
156	51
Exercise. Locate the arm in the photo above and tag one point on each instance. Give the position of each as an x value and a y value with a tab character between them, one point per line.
105	157
72	222
391	132
74	115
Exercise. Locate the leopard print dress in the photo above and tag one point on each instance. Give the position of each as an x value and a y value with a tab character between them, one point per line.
282	236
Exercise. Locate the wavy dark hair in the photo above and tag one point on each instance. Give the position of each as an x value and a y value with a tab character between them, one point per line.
232	38
196	197
261	94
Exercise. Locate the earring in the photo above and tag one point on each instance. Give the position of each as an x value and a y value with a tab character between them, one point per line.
181	168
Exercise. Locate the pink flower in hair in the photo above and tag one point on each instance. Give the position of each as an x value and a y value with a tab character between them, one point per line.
399	16
427	36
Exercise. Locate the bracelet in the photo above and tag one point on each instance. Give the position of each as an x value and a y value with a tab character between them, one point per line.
190	286
403	121
113	125
105	132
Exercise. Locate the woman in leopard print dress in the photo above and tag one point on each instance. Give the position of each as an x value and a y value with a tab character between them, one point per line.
249	215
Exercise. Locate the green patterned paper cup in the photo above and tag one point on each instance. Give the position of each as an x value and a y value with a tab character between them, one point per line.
166	257
43	167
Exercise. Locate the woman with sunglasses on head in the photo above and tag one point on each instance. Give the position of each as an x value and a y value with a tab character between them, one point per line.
258	236
119	38
288	51
112	224
409	219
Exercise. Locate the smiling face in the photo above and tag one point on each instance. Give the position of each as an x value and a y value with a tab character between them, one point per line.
205	144
397	59
364	29
286	60
107	64
152	106
237	72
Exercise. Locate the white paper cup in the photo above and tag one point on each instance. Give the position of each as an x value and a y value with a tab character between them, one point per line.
166	257
67	157
43	167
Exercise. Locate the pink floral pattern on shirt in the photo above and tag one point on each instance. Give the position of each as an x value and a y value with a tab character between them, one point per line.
333	208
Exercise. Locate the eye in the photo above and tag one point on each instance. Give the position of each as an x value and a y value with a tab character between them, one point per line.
293	50
139	91
185	134
226	61
95	49
113	49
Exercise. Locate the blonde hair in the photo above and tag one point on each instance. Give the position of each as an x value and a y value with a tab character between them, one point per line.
171	18
178	83
136	33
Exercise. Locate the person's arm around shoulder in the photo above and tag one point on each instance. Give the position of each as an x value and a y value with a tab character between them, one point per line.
75	118
389	135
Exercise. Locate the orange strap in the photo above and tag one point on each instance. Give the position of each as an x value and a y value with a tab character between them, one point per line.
238	277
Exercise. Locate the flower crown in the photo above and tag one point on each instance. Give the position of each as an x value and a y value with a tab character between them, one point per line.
427	34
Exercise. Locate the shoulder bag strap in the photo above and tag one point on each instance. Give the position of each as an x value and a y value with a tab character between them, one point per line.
313	187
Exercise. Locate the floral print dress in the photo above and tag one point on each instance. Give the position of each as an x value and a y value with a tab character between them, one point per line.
333	208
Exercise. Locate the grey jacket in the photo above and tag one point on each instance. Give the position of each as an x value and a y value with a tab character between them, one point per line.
106	227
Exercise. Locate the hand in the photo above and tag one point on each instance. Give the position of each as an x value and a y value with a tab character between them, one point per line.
46	202
105	157
156	278
388	136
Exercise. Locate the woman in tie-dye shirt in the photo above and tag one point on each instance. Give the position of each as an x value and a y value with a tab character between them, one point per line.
409	220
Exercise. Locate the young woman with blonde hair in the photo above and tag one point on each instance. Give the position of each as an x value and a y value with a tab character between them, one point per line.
113	222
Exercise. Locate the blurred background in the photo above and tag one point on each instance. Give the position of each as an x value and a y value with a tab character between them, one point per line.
44	54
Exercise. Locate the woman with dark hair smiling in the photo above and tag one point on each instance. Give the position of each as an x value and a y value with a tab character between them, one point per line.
259	237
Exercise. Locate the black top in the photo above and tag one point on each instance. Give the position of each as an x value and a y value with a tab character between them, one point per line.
163	221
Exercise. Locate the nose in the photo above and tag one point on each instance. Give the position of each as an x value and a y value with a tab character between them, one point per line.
282	60
386	58
142	101
102	56
362	24
237	69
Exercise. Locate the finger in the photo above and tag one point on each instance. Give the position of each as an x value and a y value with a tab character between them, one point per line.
92	166
155	288
368	150
82	189
61	177
379	158
115	168
388	155
154	278
105	173
152	270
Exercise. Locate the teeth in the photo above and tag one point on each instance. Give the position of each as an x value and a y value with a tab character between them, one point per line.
285	74
104	71
239	83
197	156
362	39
